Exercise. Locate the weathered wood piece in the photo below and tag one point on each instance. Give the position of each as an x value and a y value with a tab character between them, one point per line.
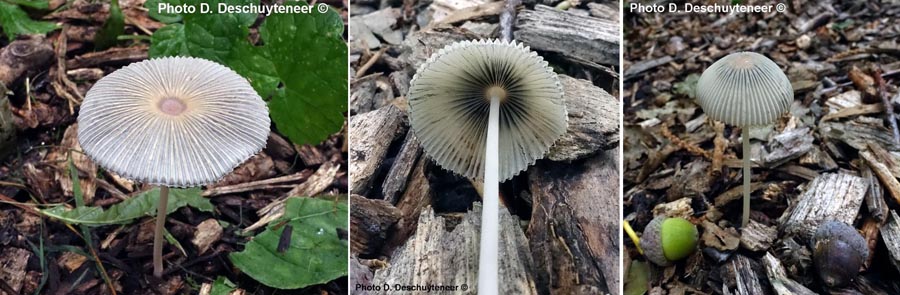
788	146
365	28
874	194
22	56
645	65
398	175
831	196
442	257
12	267
883	173
581	37
858	132
757	236
782	284
890	232
370	221
593	121
360	277
747	281
574	227
413	201
372	134
419	46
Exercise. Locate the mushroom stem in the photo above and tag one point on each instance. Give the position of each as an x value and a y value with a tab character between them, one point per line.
490	214
745	137
158	234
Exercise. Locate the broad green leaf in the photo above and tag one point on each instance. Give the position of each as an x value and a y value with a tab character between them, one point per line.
222	286
114	26
153	11
14	21
638	277
305	53
316	254
36	4
133	208
219	37
314	98
169	41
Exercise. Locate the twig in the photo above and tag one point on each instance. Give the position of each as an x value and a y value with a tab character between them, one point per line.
690	147
369	63
507	18
250	186
888	106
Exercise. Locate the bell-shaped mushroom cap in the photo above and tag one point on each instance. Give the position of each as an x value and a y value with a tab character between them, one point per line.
449	105
744	89
174	121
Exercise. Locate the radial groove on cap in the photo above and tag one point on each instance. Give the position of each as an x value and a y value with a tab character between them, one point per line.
449	111
122	128
744	89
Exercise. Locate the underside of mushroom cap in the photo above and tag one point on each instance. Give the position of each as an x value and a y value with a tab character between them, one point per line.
449	100
744	89
174	121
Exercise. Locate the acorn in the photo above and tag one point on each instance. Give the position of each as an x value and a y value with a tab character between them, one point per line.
667	240
839	252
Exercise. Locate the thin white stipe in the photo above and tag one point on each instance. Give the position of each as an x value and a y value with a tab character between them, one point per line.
489	255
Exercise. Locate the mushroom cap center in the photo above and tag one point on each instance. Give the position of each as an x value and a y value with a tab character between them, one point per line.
495	91
172	106
743	61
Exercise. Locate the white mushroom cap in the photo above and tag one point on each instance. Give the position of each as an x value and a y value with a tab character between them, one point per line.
744	89
174	121
449	106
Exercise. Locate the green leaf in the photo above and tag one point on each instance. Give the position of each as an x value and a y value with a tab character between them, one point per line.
14	21
303	52
222	286
221	38
316	254
114	26
36	4
133	208
688	86
638	280
153	11
313	101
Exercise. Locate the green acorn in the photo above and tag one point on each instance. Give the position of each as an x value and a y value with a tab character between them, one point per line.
666	240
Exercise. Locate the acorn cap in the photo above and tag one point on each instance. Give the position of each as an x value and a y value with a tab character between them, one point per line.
449	100
744	89
174	121
651	242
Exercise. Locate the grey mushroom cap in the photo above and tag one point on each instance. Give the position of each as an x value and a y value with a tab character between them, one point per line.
449	106
174	121
744	89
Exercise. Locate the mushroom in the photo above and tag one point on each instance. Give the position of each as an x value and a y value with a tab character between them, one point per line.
172	122
486	110
744	89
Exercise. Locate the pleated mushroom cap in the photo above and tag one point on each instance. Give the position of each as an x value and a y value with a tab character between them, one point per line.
449	105
744	89
174	121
